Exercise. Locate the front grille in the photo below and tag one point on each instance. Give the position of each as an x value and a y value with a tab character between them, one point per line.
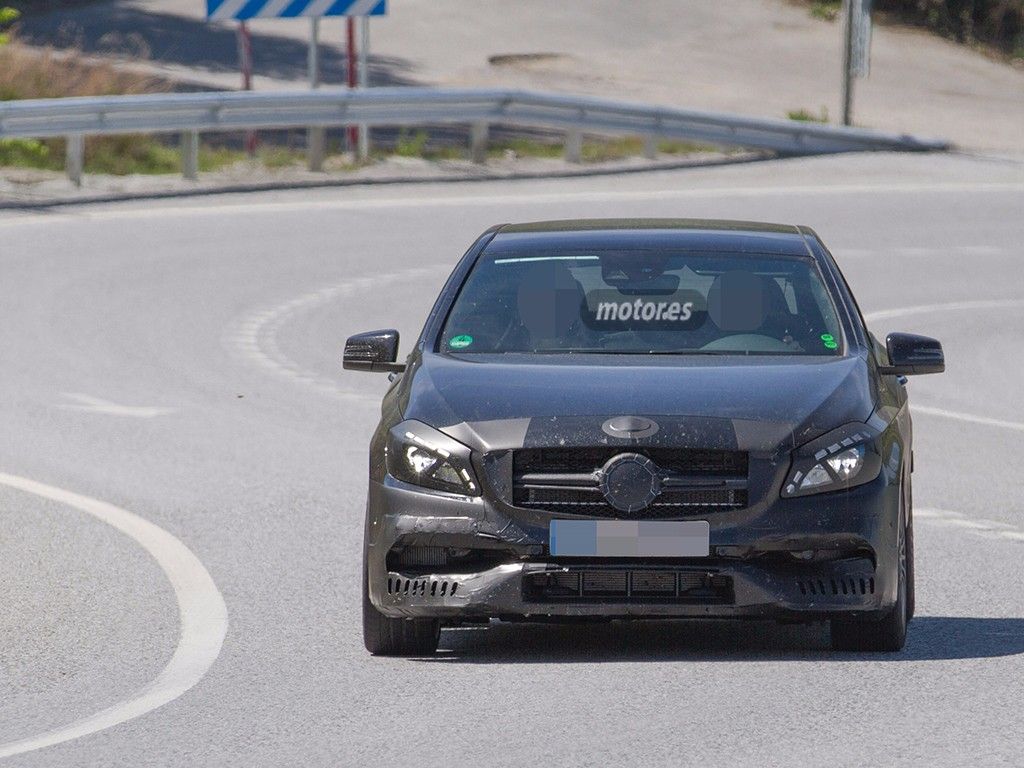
628	585
670	503
687	461
566	481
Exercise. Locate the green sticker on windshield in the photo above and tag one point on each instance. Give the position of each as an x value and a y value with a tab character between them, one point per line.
829	341
460	342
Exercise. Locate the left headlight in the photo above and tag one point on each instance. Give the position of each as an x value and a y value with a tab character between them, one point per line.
842	459
421	455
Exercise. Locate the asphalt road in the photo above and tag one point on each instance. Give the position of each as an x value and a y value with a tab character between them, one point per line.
180	363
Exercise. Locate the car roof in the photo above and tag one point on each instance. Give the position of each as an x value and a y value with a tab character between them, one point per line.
709	235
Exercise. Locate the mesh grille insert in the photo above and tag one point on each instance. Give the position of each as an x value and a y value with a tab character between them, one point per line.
682	460
567	480
628	585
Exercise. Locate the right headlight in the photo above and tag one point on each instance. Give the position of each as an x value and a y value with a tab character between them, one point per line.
843	458
421	455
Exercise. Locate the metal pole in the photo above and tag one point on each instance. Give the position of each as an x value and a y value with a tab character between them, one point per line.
364	81
848	62
245	58
314	136
350	51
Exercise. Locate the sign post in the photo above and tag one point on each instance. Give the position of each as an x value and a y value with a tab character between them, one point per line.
350	71
364	82
243	10
245	60
315	137
856	49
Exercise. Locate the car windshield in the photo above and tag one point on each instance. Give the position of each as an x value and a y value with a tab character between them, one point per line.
643	302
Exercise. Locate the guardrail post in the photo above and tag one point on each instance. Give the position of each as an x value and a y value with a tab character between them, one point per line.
479	136
651	147
315	149
74	158
574	146
190	155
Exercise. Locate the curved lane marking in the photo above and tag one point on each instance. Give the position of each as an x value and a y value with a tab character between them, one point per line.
254	336
203	617
924	309
953	306
968	417
988	529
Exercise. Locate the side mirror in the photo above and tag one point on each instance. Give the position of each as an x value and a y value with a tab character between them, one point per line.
373	351
910	354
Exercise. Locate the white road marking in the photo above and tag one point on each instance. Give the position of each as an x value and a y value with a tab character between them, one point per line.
988	529
254	336
950	306
923	309
968	417
305	205
203	617
96	405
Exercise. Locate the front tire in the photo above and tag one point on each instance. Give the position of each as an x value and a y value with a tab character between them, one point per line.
889	634
385	636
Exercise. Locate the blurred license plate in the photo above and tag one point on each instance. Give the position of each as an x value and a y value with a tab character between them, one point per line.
630	538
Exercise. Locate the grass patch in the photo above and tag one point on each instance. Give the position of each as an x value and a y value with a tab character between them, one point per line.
24	153
277	158
27	73
30	73
805	116
593	151
827	10
417	144
217	158
525	148
619	149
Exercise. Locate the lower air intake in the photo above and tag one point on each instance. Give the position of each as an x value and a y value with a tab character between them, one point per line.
628	585
421	587
846	585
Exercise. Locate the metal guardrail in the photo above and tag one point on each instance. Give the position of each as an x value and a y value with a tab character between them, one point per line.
192	113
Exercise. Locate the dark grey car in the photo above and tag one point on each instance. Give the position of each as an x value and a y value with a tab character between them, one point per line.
642	419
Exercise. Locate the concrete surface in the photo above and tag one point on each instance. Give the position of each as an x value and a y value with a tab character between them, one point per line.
29	187
758	57
230	314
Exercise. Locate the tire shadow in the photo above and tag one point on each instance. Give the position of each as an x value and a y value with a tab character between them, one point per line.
931	638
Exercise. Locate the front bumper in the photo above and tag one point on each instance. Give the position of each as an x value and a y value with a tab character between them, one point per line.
752	571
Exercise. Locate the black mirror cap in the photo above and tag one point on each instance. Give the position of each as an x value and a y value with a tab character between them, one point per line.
910	354
374	351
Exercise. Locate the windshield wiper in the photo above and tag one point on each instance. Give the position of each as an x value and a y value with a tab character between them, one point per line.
599	351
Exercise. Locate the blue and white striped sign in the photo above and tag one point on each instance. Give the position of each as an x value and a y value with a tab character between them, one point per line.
240	10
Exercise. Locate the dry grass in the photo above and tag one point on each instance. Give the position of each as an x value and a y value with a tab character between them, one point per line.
32	73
